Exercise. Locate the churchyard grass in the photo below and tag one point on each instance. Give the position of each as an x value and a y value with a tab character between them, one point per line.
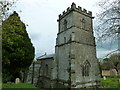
111	82
19	85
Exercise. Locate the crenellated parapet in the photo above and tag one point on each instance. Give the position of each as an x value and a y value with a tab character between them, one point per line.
74	8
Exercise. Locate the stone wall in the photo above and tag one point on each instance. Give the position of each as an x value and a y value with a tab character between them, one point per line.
76	49
42	73
47	73
36	73
74	64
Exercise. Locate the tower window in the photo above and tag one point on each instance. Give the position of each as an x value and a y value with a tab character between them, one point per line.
85	68
46	69
83	23
70	38
65	24
64	39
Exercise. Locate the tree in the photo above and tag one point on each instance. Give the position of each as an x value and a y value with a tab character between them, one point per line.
105	59
115	59
6	7
111	62
109	18
17	49
108	28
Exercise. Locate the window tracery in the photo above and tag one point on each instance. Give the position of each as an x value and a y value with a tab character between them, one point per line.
65	24
86	68
83	23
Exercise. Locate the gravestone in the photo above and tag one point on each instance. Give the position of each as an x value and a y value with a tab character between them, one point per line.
17	80
104	77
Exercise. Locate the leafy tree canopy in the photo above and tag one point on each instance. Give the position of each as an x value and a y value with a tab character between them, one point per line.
17	49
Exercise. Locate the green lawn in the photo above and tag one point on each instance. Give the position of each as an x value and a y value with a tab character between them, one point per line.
108	83
20	85
111	82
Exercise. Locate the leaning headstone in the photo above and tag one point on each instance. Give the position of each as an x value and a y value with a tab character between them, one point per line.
17	80
104	78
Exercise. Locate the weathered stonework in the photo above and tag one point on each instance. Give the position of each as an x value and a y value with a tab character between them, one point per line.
76	46
36	68
74	64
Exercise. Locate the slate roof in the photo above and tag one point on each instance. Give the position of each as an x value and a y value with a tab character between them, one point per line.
43	57
107	66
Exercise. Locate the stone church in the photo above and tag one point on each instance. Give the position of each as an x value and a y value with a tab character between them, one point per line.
74	64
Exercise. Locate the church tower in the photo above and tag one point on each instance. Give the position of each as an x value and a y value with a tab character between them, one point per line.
77	65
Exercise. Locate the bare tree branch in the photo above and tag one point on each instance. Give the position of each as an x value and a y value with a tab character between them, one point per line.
108	22
6	7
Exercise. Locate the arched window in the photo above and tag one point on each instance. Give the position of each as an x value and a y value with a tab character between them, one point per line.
86	68
65	24
83	23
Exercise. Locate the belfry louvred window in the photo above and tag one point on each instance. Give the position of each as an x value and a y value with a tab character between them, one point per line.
83	23
65	24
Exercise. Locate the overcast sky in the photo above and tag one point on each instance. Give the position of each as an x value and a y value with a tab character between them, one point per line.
41	17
